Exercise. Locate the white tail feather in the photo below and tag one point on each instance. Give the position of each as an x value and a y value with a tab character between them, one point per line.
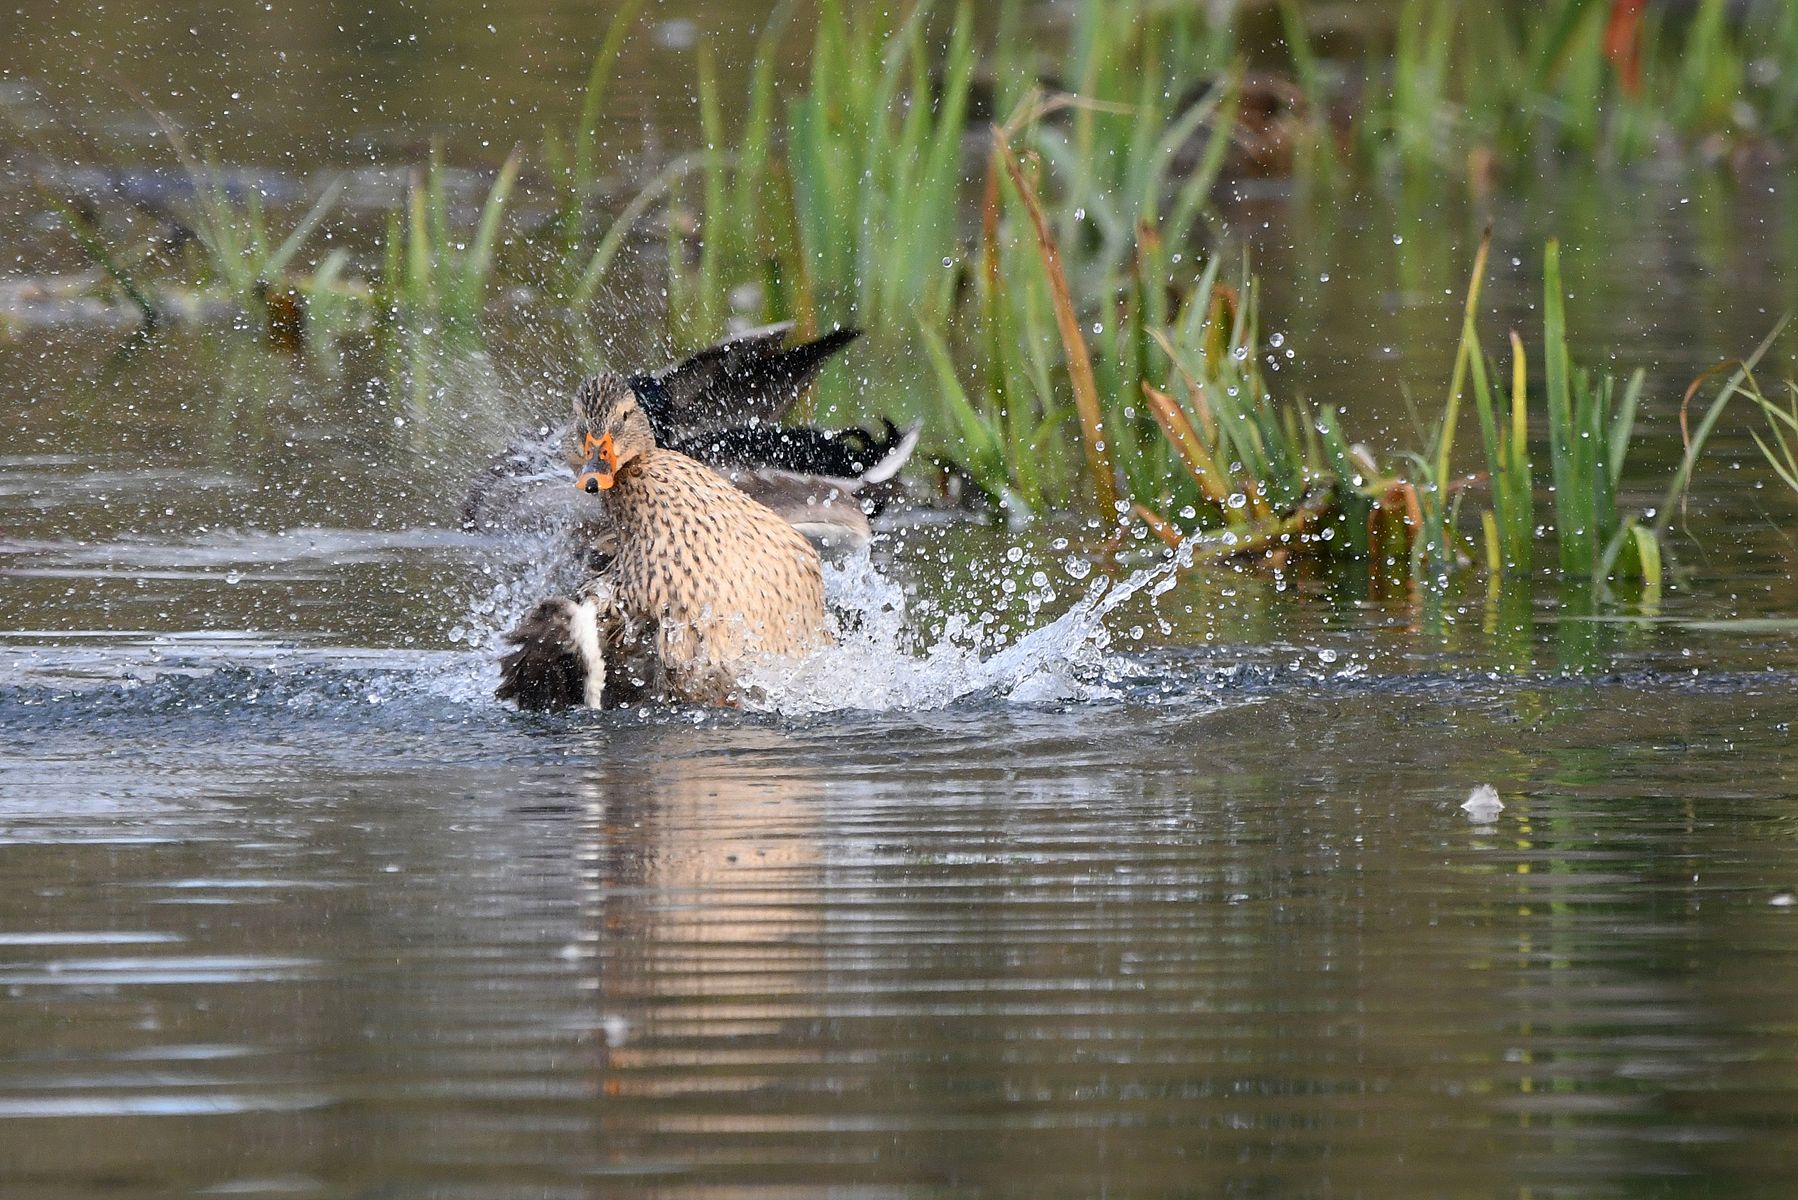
584	625
896	458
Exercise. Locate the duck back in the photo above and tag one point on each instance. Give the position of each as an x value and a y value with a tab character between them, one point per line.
719	577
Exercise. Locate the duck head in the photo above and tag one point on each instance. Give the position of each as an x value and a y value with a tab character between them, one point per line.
610	431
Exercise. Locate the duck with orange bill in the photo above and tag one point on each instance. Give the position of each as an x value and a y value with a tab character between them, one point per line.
698	579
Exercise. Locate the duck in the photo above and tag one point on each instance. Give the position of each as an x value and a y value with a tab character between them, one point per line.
701	580
724	406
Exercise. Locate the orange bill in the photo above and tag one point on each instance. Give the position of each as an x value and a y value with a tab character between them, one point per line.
600	471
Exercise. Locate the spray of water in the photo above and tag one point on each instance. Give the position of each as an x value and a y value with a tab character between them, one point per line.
877	663
880	660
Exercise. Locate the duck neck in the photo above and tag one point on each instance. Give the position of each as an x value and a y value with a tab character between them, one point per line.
631	488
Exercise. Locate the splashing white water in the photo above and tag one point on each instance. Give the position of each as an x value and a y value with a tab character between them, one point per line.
879	661
876	664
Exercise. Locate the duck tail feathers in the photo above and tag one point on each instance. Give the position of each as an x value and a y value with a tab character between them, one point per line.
558	663
898	452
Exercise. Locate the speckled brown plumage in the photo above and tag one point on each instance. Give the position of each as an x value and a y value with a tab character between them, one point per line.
718	577
699	581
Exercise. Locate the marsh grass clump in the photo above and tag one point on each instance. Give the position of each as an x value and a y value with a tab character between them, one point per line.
854	198
1163	382
239	248
433	288
226	234
433	274
1738	381
857	203
1182	429
1590	419
1077	360
1483	89
1591	423
852	203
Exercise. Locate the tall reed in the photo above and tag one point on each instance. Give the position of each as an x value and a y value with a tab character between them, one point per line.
431	273
1590	421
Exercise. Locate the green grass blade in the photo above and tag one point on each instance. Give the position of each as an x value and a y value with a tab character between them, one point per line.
420	286
985	455
277	262
1469	352
1573	517
1190	200
479	262
1781	460
1623	424
96	251
1695	443
601	260
599	79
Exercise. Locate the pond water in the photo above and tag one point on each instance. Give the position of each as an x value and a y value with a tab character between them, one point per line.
1183	900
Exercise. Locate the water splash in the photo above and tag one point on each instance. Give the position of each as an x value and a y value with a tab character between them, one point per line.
878	664
880	661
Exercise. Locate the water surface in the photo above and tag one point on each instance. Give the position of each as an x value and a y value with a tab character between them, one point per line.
1183	902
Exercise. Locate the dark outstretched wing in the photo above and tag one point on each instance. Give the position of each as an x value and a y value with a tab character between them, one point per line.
853	461
753	376
838	454
545	673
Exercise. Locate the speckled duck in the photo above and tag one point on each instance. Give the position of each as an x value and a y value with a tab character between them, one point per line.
726	406
702	578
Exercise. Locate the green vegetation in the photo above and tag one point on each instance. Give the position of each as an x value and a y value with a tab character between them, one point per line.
432	273
1031	276
1591	420
1781	445
1481	89
239	248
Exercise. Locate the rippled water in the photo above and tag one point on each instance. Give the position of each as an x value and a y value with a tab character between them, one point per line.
280	916
1185	904
1004	897
316	928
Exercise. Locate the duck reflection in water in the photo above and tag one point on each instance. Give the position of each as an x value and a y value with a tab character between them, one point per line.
703	918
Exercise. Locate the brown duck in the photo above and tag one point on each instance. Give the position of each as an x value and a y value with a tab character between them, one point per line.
703	580
727	406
